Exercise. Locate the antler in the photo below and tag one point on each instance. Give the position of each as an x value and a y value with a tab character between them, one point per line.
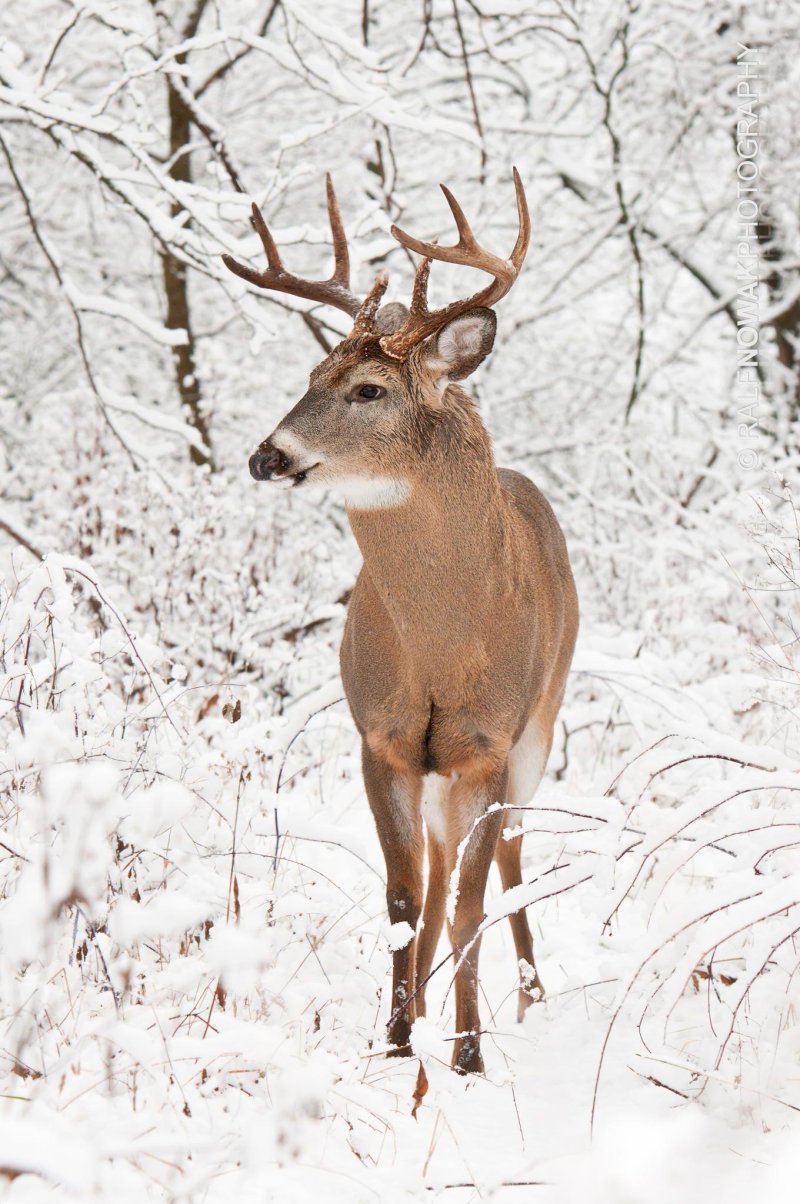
334	291
422	322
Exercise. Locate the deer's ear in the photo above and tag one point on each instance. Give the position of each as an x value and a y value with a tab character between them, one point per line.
463	344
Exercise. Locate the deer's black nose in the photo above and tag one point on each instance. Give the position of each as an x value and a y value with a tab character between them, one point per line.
266	461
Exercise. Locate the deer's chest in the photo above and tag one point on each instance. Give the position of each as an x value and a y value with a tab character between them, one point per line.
434	704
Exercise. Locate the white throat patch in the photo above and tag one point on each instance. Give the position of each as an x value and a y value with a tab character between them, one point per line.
372	493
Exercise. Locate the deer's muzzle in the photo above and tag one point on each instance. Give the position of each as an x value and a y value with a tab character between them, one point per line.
267	461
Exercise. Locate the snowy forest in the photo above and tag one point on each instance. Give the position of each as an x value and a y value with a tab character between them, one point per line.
195	956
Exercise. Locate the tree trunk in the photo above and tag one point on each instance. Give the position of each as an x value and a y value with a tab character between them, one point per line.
176	291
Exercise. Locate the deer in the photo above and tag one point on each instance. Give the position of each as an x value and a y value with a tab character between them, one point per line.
462	622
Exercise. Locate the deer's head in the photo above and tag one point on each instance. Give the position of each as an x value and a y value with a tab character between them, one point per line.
362	422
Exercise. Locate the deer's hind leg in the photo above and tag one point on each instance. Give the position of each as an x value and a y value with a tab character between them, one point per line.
394	800
472	832
432	916
508	856
526	766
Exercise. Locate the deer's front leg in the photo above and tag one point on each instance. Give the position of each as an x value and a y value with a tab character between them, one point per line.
469	819
395	803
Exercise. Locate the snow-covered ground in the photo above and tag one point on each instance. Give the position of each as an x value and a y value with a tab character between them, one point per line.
196	957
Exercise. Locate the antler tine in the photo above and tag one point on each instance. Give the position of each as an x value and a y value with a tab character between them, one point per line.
333	291
524	236
365	318
419	293
341	253
267	241
467	251
422	322
465	236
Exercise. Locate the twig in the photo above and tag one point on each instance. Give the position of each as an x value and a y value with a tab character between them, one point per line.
71	568
75	313
297	735
219	72
25	543
470	88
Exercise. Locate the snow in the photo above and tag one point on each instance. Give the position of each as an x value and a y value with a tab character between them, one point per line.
196	966
400	934
113	308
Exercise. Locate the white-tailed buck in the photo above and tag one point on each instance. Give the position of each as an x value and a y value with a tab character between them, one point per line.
463	619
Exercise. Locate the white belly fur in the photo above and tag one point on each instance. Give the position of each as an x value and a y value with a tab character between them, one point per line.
435	790
526	765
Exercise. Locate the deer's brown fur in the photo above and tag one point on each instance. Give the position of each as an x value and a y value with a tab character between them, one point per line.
460	633
462	623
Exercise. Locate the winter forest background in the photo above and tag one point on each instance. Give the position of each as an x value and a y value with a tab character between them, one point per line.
194	953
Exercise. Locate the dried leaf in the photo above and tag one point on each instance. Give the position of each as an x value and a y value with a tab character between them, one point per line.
25	1072
232	711
207	706
421	1089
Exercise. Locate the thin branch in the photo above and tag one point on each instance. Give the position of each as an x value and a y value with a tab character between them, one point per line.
470	88
21	539
59	39
221	71
76	315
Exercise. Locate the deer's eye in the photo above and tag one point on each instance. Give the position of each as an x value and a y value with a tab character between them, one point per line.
367	393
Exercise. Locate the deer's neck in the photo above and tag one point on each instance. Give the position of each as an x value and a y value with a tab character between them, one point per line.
440	560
